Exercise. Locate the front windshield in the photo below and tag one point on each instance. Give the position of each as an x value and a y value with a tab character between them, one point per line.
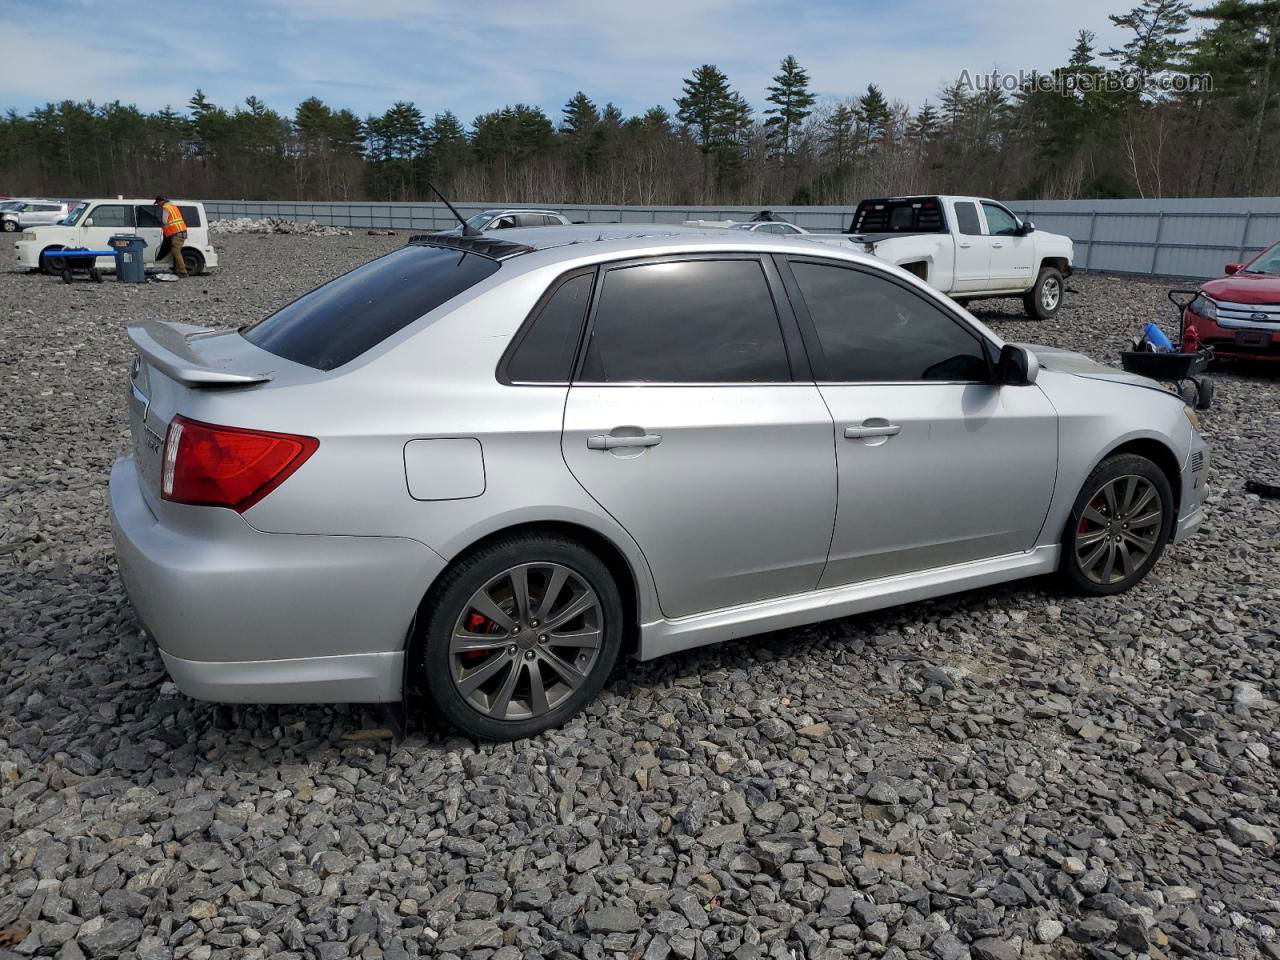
11	205
71	218
1268	263
479	220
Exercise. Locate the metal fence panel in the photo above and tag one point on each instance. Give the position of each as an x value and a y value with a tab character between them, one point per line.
1184	237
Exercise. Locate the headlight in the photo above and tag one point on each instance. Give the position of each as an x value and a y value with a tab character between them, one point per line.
1193	418
28	235
1204	307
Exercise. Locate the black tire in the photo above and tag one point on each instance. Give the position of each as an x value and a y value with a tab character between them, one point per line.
451	600
1116	534
67	275
50	264
194	261
95	274
1043	300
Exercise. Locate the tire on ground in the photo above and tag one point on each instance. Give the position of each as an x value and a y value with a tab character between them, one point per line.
1048	286
1078	543
449	600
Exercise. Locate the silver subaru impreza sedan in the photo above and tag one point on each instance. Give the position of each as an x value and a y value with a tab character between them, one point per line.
486	468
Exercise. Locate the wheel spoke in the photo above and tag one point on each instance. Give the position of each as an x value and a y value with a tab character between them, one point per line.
588	639
1142	543
1148	493
1093	516
537	692
571	675
520	590
1126	561
1092	560
554	585
483	603
502	699
1109	565
1150	520
1109	492
1090	538
575	608
468	683
464	642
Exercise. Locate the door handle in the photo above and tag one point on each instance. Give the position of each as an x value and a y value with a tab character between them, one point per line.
965	246
862	433
613	443
997	246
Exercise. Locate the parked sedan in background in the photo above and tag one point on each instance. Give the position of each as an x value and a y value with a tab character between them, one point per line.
506	219
540	451
1239	314
17	215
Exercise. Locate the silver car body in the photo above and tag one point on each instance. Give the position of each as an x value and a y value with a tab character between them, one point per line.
766	506
17	215
508	218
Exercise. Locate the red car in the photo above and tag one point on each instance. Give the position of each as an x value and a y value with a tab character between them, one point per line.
1239	314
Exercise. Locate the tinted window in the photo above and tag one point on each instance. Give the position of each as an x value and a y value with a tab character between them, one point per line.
872	330
692	321
531	220
967	221
1000	222
545	352
190	215
912	215
149	216
341	320
112	215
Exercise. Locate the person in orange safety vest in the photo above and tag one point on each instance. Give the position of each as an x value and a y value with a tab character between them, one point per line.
175	233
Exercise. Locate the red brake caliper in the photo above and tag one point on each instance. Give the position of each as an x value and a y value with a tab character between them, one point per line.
479	623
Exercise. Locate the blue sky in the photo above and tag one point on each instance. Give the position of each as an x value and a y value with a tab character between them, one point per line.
472	57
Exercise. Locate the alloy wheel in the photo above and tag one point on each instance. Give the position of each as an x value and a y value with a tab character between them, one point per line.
526	641
1119	529
1050	294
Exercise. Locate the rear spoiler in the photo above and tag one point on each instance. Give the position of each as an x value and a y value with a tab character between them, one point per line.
167	347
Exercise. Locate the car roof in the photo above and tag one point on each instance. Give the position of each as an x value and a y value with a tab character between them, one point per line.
145	201
498	211
533	247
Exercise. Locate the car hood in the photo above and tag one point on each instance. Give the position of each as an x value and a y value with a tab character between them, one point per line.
1077	364
1245	288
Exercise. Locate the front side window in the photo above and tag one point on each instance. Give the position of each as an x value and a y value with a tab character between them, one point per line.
967	221
1000	222
112	215
337	322
545	351
72	218
871	330
687	321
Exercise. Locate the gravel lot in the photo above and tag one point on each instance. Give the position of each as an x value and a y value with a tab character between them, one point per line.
1009	773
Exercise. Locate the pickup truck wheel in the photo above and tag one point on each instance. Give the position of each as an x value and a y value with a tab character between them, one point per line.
1043	300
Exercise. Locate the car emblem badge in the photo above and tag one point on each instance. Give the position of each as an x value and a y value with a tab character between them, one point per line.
1258	316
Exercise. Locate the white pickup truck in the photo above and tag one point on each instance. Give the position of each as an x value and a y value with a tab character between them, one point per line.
970	248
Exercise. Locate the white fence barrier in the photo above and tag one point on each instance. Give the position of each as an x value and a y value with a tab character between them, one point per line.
1178	238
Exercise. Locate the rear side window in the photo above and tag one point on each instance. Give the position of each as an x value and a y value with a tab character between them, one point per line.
871	330
544	353
967	221
190	215
692	321
334	324
912	215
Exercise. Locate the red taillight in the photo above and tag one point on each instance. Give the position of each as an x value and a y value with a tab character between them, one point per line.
214	466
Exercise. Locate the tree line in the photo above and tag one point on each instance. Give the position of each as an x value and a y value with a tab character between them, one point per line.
1135	120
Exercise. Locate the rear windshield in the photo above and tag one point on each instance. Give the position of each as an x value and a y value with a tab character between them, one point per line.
334	324
911	215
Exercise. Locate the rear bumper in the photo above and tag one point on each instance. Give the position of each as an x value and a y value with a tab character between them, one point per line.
242	616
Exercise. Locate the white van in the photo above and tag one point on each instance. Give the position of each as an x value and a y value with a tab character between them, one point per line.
91	223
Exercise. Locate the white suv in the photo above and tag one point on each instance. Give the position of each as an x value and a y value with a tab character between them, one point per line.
93	222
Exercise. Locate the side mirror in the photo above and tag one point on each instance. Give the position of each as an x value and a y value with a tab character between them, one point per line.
1017	366
1233	268
89	222
1026	227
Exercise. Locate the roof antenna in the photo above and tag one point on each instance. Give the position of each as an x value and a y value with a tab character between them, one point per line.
467	229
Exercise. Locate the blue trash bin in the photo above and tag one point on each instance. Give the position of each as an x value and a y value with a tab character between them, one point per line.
130	265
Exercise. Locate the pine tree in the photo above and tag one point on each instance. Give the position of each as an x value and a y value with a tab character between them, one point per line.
873	114
1156	26
712	111
792	103
838	131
